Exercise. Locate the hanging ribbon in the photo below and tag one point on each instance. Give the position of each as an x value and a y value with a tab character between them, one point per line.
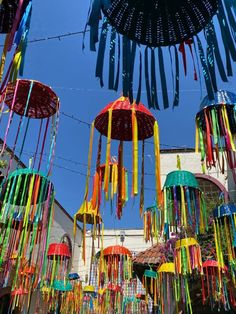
135	153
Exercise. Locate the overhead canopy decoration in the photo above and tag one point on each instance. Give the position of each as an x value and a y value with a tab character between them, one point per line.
159	25
15	18
30	102
127	122
225	237
216	129
25	220
184	204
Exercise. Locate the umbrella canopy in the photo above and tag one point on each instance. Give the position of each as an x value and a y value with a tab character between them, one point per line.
160	22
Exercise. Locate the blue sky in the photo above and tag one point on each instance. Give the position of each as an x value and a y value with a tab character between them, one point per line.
70	71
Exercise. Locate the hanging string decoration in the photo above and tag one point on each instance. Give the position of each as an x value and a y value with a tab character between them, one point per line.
115	265
215	287
114	190
15	19
124	121
215	131
88	299
111	299
167	288
88	215
187	256
188	261
149	282
132	300
132	29
184	204
71	300
58	263
151	222
225	237
25	220
55	278
31	101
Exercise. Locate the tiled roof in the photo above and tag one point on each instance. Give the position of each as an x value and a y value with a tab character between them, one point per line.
154	255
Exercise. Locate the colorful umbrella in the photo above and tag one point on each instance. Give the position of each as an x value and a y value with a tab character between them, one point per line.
151	221
25	221
128	24
225	236
115	265
215	131
184	204
215	287
167	288
30	101
88	215
124	121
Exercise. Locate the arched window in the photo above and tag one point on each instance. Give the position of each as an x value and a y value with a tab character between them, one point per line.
213	190
66	239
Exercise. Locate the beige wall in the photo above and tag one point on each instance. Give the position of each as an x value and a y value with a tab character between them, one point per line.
190	161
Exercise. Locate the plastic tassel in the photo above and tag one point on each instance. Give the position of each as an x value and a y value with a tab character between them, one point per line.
108	149
120	180
135	153
157	163
141	204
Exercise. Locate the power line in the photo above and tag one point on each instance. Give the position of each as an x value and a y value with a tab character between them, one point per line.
58	37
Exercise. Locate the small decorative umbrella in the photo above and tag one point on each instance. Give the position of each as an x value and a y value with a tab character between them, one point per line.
225	236
115	265
125	121
114	188
167	288
88	299
215	288
151	222
53	296
184	204
55	281
31	101
187	256
20	295
88	215
127	24
215	131
57	267
25	221
187	260
111	299
71	301
15	22
150	284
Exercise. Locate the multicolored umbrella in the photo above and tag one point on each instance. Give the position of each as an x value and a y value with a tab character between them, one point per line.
188	261
25	220
126	25
215	131
215	286
115	265
167	288
88	215
114	190
225	237
28	102
57	266
151	222
184	204
124	121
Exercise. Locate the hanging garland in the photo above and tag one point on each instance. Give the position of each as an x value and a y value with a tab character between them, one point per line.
127	25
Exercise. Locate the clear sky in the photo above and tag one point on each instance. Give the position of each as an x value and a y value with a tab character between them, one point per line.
70	71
